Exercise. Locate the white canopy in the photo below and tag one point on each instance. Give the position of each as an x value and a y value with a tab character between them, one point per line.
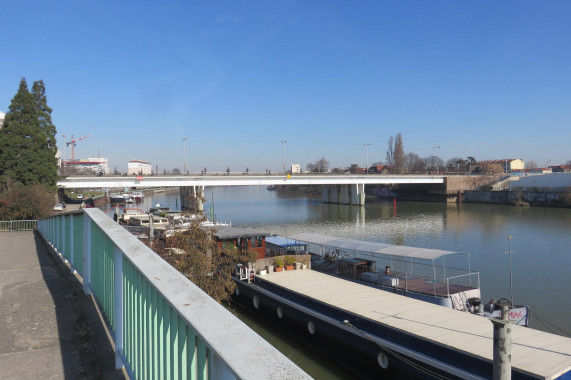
367	246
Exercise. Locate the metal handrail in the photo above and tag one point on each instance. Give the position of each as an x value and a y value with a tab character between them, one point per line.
462	275
162	325
18	225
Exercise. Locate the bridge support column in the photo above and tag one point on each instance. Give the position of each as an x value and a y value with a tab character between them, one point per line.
191	198
358	194
353	194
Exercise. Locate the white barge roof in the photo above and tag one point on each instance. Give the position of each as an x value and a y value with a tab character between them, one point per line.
373	247
536	352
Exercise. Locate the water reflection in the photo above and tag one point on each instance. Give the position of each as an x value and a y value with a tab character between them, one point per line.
540	236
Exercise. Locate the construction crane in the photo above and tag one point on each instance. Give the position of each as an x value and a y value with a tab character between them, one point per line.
71	143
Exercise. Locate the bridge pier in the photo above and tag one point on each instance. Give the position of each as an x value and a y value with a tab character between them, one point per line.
191	198
348	194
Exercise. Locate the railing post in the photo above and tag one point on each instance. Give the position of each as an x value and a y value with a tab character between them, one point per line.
63	238
86	253
71	245
118	258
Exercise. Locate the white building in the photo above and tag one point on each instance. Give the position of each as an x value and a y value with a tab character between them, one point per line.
91	165
2	116
138	167
295	169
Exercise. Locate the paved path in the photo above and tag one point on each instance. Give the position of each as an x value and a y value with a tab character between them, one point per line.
48	328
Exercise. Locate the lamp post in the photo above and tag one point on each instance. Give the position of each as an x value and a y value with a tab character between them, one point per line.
63	162
184	145
367	145
284	144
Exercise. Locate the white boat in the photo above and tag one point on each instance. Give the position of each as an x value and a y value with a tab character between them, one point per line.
138	196
121	198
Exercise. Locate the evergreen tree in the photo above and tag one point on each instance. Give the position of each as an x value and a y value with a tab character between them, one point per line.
27	140
44	114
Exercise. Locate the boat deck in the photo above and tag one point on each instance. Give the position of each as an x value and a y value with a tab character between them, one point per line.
424	286
538	353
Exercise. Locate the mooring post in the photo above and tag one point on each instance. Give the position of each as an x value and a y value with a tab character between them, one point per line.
151	230
502	345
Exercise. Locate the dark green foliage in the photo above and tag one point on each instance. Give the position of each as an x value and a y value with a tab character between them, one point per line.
27	140
22	202
44	114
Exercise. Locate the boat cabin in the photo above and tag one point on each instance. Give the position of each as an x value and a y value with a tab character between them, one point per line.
244	239
430	275
279	246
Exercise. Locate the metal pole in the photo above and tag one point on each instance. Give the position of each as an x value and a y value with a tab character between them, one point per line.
511	277
283	143
367	157
502	368
184	144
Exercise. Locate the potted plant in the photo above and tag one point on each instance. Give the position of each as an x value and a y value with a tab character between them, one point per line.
279	263
289	262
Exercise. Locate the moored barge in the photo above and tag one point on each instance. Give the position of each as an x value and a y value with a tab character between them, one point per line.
371	331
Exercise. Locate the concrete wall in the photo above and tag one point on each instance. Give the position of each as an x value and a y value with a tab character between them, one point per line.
544	199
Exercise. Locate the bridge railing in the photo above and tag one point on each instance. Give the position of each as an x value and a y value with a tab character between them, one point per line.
163	325
18	225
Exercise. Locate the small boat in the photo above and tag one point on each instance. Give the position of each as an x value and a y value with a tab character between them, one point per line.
138	196
121	198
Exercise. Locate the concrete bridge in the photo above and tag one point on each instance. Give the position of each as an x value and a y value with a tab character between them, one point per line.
336	188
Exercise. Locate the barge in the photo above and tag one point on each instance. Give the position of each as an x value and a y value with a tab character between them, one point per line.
371	331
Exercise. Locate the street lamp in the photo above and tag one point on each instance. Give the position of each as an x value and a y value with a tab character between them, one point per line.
284	144
367	145
184	144
63	162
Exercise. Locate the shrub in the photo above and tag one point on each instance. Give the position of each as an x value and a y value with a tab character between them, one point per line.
290	260
278	262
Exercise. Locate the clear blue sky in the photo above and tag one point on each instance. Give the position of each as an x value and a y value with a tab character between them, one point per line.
489	79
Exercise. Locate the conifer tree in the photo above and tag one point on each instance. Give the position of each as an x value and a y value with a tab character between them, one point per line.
44	114
27	139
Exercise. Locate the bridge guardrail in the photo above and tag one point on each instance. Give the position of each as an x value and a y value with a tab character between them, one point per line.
163	325
17	225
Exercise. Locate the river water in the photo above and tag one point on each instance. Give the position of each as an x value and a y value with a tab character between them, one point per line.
540	241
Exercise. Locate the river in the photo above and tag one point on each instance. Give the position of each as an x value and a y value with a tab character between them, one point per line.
540	240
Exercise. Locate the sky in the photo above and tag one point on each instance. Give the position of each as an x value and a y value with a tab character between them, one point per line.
487	79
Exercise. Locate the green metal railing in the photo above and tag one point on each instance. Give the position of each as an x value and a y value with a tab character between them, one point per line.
163	326
18	225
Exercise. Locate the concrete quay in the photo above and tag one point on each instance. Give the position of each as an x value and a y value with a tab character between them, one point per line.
49	328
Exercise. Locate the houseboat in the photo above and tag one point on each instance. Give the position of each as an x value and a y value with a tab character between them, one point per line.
373	332
441	277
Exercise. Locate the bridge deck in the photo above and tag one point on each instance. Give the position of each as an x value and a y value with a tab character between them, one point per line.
536	352
48	327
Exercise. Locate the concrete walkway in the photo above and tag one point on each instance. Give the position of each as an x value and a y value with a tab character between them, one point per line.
48	328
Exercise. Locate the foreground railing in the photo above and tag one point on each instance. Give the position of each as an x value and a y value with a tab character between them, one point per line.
18	225
163	325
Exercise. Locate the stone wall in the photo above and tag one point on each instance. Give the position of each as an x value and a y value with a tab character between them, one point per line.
454	184
533	198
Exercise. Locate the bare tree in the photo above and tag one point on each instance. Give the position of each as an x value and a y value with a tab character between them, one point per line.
319	166
434	163
568	163
531	164
414	164
398	154
197	256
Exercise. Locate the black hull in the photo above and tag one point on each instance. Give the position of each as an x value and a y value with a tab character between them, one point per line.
349	346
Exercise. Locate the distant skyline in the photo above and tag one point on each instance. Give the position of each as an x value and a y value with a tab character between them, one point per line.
485	79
